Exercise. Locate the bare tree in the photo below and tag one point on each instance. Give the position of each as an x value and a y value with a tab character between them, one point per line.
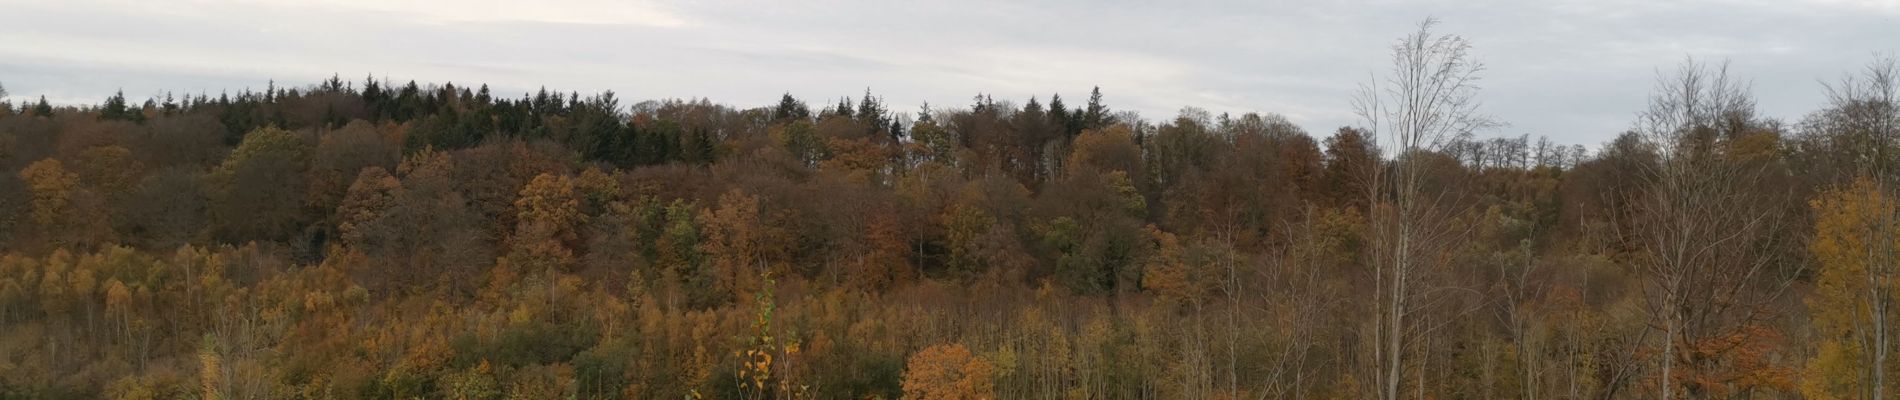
1707	235
1515	287
1862	120
1428	101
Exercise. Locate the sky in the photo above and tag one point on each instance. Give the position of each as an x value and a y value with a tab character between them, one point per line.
1574	70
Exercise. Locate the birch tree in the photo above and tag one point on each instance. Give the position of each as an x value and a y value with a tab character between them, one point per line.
1855	236
1428	101
1707	236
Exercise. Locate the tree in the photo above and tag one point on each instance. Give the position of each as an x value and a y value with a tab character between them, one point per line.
1096	115
966	227
1108	150
804	142
1170	275
1854	245
1351	159
258	192
108	170
886	262
930	142
1854	234
1707	243
679	251
429	233
42	109
790	109
115	108
192	140
60	211
740	246
167	208
547	226
948	372
342	154
369	197
1430	99
53	189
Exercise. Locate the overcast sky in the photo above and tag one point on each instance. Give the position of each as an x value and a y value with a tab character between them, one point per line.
1573	70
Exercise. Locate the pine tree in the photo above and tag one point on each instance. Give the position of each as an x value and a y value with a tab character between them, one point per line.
334	85
1096	115
373	99
43	109
843	109
114	108
790	108
1060	117
170	106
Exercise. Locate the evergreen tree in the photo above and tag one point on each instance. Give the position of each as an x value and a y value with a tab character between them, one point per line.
170	106
1096	115
334	85
844	108
790	108
700	148
872	113
43	109
374	98
1060	117
114	108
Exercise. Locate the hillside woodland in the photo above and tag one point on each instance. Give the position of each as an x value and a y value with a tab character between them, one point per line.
378	239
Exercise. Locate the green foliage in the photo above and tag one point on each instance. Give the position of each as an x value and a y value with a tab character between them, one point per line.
258	192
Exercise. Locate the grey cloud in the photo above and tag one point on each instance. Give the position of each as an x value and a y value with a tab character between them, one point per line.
1573	70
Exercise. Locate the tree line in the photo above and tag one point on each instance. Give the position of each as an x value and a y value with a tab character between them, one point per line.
383	240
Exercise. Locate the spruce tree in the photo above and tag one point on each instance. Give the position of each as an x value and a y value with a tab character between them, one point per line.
114	108
1096	115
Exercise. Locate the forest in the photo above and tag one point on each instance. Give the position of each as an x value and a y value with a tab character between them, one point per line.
379	239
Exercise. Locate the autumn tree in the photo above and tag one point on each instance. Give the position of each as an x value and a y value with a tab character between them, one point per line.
931	141
680	254
258	192
1429	99
740	246
341	154
1708	241
546	231
1350	160
428	232
167	208
948	372
1849	301
60	210
886	263
109	170
1854	244
369	197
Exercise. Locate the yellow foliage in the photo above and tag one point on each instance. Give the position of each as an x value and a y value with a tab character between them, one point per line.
948	372
1849	223
372	193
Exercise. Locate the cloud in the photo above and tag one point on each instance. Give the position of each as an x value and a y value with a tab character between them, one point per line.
456	11
1576	70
